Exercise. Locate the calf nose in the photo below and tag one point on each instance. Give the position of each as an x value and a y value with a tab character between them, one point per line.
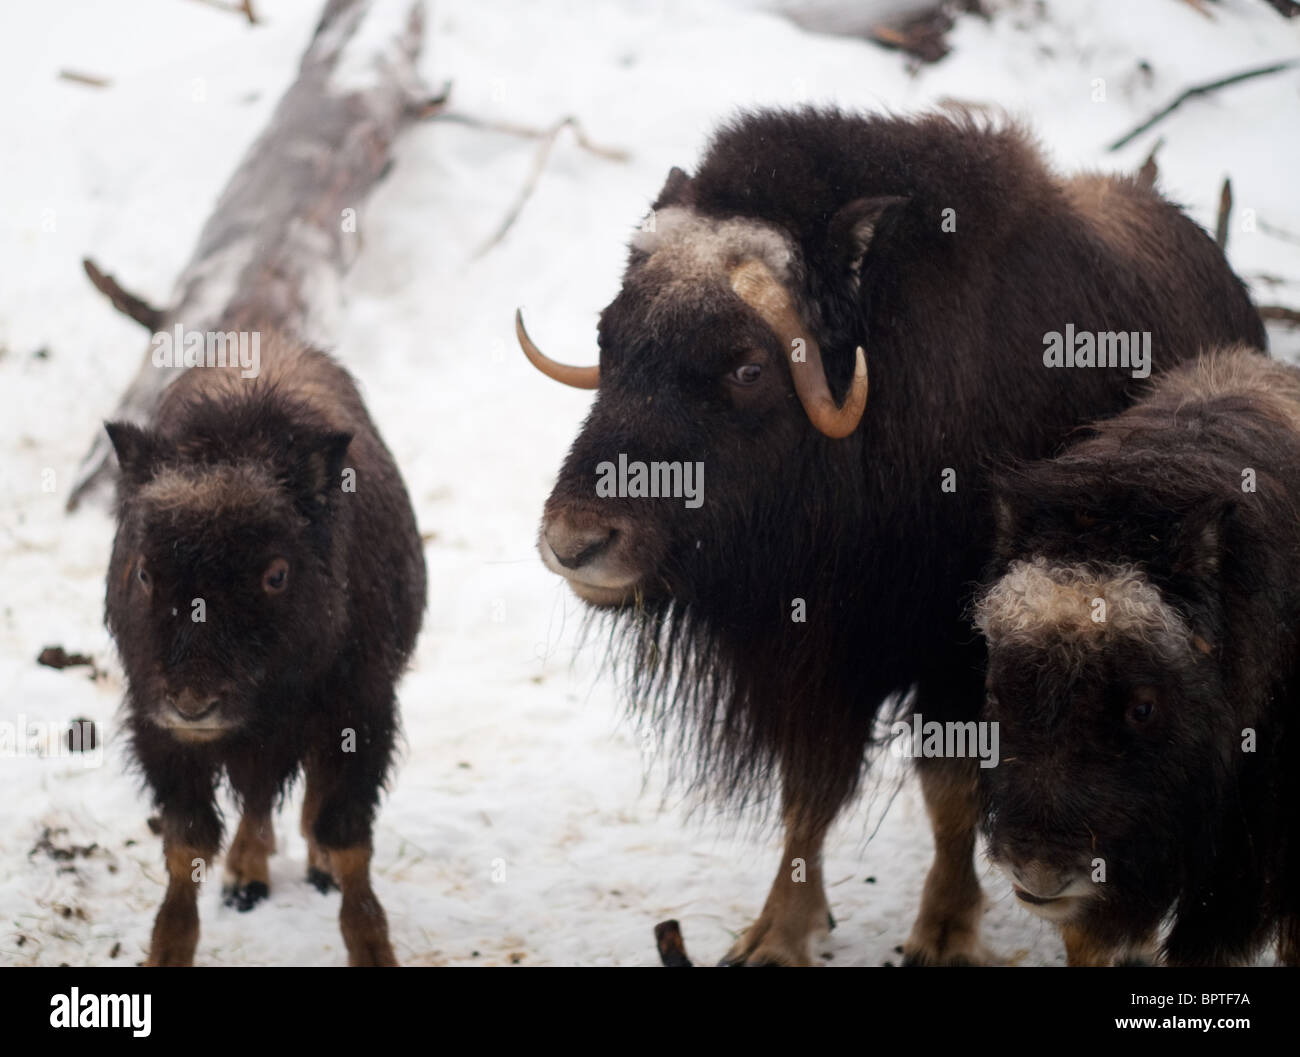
191	706
575	546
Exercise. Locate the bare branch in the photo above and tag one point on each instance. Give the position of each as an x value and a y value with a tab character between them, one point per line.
1280	315
1198	90
548	138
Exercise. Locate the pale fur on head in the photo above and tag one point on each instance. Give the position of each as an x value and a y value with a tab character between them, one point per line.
690	247
1046	605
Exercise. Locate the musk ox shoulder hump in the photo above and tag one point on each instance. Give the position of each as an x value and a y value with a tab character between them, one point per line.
1241	371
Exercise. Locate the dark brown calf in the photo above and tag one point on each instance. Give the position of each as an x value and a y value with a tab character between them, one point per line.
265	591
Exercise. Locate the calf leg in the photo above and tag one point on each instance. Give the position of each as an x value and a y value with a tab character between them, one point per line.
346	785
948	926
247	876
189	847
361	918
319	874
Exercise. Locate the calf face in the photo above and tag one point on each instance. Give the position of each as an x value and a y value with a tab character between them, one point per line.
219	589
1113	732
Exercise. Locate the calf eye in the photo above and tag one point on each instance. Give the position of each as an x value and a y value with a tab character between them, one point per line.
747	375
142	574
276	577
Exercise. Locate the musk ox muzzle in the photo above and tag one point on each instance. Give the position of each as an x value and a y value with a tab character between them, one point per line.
595	552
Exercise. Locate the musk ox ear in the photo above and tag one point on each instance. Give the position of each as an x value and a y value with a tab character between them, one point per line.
136	450
858	227
319	467
677	190
1200	542
1004	520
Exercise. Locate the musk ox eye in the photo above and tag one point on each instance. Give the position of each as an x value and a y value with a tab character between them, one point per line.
1141	706
1085	518
276	577
747	375
142	575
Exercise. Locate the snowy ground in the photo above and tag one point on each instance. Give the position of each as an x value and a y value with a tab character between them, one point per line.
526	824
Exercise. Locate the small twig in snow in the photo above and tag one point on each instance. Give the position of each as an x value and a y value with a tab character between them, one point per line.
239	7
1150	171
1225	212
427	106
91	79
1276	232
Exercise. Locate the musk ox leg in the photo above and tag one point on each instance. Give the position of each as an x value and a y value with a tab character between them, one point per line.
1288	941
796	908
318	866
247	876
176	928
1144	952
947	929
1082	948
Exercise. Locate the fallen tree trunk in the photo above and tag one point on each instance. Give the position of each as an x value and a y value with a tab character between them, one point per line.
283	232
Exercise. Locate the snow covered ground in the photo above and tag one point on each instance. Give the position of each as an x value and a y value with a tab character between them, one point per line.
527	825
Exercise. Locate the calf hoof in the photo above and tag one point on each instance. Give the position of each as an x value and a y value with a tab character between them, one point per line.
172	959
246	896
372	954
321	880
175	937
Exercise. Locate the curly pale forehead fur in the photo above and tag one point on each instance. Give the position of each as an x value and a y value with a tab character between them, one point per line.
689	247
1049	606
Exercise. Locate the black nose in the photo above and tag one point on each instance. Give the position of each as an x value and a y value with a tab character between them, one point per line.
575	547
191	706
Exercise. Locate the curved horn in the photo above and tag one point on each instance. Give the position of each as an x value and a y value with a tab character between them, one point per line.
578	377
757	287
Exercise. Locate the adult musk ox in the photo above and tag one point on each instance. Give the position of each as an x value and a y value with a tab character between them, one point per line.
265	591
842	319
1144	670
